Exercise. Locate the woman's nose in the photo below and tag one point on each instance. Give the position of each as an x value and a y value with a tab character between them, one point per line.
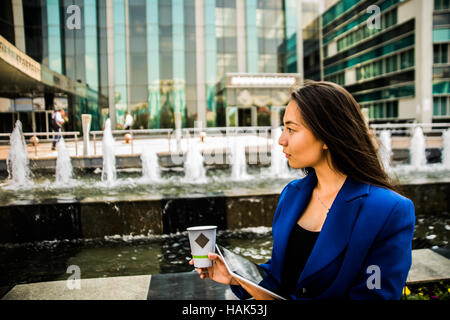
282	140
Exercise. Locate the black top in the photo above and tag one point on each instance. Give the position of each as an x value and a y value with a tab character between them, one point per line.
300	245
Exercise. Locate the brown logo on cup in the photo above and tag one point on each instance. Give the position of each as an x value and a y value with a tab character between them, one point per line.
202	240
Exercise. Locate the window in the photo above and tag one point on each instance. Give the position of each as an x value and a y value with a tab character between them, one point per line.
436	53
403	60
435	106
407	59
394	62
367	71
389	109
444	53
443	106
392	109
441	4
388	65
358	74
440	106
339	45
380	110
390	18
411	58
375	69
437	4
379	67
358	35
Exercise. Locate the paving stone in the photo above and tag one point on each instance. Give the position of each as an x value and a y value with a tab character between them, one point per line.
114	288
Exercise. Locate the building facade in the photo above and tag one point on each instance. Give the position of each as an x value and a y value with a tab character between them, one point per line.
160	60
171	62
392	55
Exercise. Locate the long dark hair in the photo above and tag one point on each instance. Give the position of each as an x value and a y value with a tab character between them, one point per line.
334	117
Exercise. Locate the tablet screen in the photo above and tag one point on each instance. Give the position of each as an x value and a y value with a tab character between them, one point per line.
249	271
243	267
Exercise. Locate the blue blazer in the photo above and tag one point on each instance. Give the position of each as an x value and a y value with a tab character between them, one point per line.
363	250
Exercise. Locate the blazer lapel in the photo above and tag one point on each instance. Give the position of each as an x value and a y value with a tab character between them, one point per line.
296	201
337	228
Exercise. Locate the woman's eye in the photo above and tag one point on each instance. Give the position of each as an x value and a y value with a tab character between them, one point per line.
289	130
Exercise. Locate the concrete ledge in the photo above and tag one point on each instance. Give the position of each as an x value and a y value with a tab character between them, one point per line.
428	266
115	288
187	286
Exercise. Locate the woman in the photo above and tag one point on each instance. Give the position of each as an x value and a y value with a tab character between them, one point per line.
342	232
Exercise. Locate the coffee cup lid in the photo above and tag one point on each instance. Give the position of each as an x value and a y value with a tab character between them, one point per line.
198	228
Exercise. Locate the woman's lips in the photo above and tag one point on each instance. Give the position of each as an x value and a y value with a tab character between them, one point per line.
287	155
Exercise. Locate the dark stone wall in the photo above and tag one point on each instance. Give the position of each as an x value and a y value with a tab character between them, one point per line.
181	213
56	221
429	199
28	223
101	219
251	211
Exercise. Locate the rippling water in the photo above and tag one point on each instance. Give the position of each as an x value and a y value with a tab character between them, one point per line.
131	183
88	186
119	255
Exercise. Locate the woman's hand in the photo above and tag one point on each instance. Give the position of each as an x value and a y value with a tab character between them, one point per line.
218	272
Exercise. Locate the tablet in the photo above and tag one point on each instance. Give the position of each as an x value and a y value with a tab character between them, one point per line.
245	270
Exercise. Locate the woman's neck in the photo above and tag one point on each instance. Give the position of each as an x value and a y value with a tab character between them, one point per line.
329	181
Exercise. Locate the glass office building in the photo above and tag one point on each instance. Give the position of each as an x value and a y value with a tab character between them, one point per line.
441	61
392	55
163	61
172	62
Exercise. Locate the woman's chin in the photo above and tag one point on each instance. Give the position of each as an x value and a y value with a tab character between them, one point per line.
293	165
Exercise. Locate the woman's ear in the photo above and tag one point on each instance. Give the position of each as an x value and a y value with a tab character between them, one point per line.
325	147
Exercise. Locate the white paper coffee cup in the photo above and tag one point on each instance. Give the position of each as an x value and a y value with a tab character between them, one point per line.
203	241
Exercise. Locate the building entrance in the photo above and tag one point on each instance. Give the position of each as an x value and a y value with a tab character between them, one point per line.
245	117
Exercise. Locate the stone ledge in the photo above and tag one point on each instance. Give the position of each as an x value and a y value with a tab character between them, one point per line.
427	266
114	288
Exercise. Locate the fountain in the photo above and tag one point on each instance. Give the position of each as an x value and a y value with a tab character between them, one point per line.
150	166
238	159
194	169
446	149
135	206
385	149
109	158
279	164
63	164
417	149
17	161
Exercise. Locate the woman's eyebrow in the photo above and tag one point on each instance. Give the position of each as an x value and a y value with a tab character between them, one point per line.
290	122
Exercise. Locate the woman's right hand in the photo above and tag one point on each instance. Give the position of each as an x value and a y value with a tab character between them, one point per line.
217	272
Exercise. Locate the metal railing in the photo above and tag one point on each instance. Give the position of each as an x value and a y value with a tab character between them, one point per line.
154	133
47	134
185	133
135	134
400	129
408	128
